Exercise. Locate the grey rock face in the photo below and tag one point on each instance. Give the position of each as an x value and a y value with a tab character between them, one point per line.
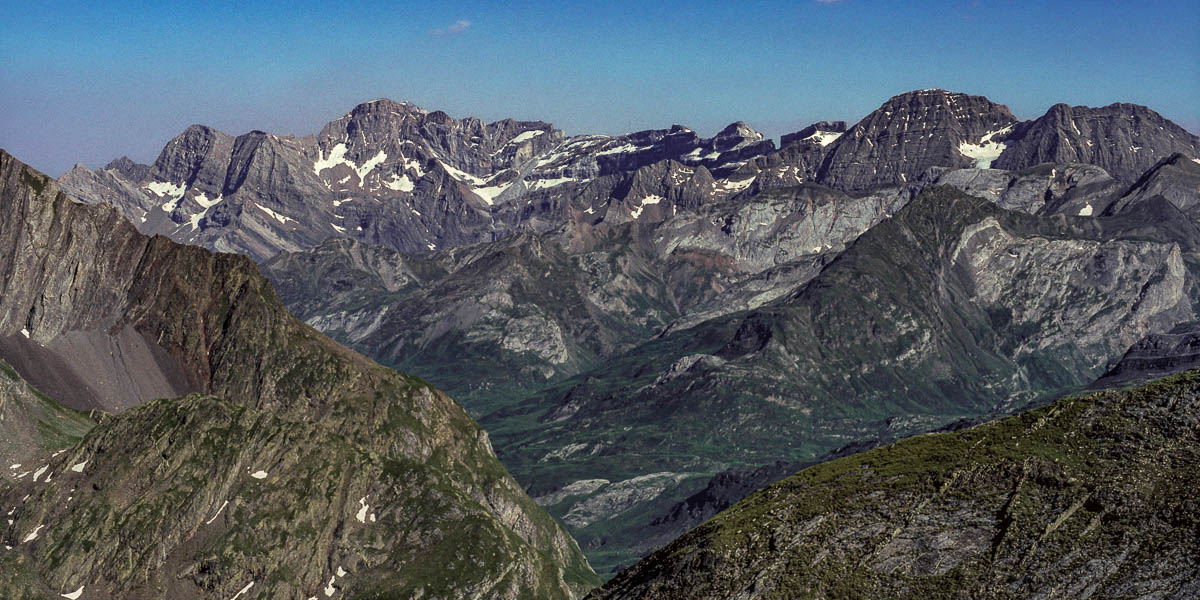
1123	139
392	174
912	132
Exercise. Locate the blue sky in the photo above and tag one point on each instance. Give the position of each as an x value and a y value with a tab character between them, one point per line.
86	82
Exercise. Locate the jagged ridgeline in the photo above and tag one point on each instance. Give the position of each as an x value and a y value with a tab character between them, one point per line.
282	465
1088	497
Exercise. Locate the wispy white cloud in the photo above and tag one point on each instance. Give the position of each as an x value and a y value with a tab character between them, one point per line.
454	28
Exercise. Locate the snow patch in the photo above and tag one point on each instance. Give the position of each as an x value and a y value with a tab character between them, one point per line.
32	536
329	589
39	472
542	184
341	572
78	467
1086	211
525	135
283	219
735	185
401	183
414	166
462	175
205	203
337	155
986	150
260	474
24	332
15	466
651	199
824	138
243	590
369	165
622	149
489	193
338	229
73	595
217	514
362	511
169	190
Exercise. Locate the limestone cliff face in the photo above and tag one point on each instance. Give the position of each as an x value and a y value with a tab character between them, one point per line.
299	467
1088	497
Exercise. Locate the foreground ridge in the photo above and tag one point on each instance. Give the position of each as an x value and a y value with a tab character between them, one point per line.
1088	497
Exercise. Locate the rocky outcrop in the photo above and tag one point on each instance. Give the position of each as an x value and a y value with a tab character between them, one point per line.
299	468
1156	355
1123	139
1175	179
1088	497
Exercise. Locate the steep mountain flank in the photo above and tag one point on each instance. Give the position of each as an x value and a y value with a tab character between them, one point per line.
1088	497
299	469
1123	139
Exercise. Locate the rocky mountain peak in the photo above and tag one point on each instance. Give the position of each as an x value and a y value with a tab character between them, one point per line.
912	132
200	152
735	135
129	169
822	133
1123	139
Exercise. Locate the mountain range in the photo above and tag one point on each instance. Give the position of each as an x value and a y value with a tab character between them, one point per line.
651	326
